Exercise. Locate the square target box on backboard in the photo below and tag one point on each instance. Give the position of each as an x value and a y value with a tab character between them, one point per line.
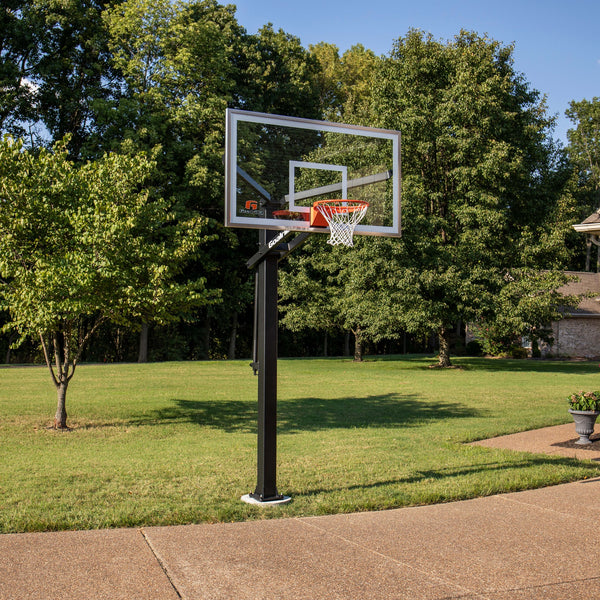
277	167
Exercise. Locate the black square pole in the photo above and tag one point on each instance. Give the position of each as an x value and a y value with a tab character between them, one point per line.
267	325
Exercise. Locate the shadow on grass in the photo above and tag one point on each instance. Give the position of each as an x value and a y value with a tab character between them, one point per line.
513	365
386	410
530	366
312	414
447	474
471	363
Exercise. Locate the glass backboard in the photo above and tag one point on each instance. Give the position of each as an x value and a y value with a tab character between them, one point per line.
276	167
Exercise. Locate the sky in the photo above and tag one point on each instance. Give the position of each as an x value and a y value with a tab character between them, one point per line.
556	43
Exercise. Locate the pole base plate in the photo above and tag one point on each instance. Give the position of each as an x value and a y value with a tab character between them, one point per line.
250	499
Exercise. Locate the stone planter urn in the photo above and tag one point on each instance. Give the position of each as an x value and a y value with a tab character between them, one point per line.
584	424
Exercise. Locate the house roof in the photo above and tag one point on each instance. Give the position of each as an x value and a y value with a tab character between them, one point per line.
587	282
593	218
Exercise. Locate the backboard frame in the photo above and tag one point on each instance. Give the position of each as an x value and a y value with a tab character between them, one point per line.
232	172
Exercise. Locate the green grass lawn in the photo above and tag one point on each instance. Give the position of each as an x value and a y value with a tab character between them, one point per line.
174	443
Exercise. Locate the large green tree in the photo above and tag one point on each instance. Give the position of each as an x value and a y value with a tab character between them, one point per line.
182	64
340	290
480	207
177	64
54	67
475	148
83	245
18	49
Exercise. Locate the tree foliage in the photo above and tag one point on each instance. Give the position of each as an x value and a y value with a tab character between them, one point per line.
82	245
344	81
584	153
55	66
477	204
584	141
341	289
18	47
475	146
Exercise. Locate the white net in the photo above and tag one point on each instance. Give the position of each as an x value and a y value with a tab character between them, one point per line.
342	216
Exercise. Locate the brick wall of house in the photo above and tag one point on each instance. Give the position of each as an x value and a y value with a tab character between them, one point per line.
576	337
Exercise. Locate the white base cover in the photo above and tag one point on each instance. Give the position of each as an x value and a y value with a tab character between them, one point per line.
248	499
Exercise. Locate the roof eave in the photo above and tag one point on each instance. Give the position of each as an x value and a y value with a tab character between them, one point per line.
587	228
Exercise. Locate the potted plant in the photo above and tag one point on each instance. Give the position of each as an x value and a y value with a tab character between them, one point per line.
584	408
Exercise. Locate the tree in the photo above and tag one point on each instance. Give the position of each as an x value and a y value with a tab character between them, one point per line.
341	289
182	64
54	67
525	307
276	74
176	61
584	153
475	149
83	245
344	82
18	46
139	76
584	140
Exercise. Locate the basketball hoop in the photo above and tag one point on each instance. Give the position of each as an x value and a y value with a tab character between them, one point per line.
342	216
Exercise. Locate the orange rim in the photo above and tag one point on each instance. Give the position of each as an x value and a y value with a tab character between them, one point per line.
354	206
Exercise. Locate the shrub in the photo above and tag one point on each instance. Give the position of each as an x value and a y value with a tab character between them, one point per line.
474	348
518	352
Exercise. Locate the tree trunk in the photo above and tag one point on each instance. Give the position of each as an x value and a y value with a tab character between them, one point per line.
60	418
66	358
347	344
459	328
232	338
143	353
358	345
325	344
11	339
206	338
444	355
